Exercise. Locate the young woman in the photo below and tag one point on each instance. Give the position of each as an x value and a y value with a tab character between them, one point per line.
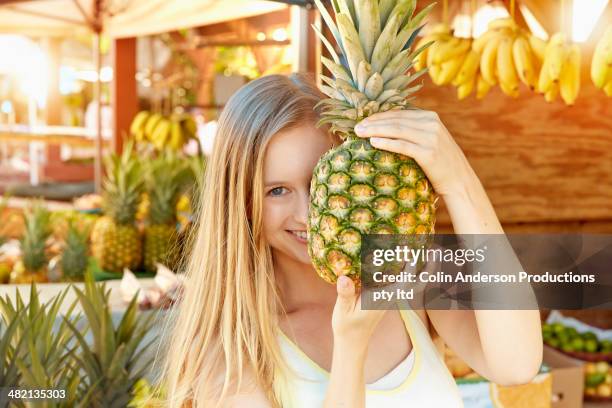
258	328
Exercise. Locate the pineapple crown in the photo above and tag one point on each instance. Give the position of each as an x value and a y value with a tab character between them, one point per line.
166	178
370	74
37	228
122	186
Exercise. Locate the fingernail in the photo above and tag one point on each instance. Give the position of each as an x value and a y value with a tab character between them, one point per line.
359	128
344	283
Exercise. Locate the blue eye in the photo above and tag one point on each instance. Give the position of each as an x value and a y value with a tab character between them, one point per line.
277	191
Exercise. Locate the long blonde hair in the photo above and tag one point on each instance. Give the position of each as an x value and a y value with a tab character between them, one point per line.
227	318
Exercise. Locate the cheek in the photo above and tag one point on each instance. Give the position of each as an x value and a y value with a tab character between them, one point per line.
274	215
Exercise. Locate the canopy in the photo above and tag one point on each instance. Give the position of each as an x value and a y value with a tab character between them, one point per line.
121	18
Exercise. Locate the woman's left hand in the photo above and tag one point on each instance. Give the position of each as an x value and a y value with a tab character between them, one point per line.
421	135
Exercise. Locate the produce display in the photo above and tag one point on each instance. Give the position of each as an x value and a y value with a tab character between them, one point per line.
163	131
115	239
569	340
357	189
598	380
601	66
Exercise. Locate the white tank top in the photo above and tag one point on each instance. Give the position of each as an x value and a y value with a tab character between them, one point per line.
420	380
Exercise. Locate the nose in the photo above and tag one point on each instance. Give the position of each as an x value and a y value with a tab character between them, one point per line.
301	209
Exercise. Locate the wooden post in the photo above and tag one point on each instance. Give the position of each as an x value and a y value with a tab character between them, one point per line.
124	90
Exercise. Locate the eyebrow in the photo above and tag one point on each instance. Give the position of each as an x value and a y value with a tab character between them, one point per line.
273	183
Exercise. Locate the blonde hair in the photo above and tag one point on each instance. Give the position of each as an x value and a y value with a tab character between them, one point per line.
227	320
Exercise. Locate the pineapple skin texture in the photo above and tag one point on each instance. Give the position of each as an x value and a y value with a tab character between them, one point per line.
116	246
160	245
356	190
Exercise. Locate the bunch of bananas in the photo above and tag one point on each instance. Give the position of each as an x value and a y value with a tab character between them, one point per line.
504	54
449	59
601	66
509	55
163	131
560	71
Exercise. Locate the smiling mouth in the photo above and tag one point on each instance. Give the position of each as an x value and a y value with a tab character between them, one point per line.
300	235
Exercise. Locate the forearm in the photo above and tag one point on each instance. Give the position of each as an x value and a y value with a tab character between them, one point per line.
346	387
511	340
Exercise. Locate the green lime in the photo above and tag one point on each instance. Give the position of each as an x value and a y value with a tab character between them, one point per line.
577	344
571	331
567	347
557	327
547	328
590	345
593	380
554	342
605	346
563	337
589	336
547	336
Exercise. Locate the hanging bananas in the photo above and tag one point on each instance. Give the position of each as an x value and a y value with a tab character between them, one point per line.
503	55
560	73
163	132
601	65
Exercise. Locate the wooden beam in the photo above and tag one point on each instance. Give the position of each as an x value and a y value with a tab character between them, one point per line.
124	89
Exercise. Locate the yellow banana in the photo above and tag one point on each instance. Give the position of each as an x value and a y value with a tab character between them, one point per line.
538	46
449	69
441	28
433	48
599	64
421	59
506	72
177	139
139	121
151	124
469	68
488	59
482	87
544	80
465	89
524	61
454	47
551	94
160	134
434	73
498	23
569	82
555	55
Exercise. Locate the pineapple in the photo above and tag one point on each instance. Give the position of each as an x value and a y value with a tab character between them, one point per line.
357	189
33	264
165	181
115	240
75	255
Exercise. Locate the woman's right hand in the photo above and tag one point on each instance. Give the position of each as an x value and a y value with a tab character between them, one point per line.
352	329
351	325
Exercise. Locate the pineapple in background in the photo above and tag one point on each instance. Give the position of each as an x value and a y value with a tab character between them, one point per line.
74	259
115	240
33	264
357	189
165	180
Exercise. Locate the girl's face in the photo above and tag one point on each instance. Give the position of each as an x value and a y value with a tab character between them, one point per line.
288	164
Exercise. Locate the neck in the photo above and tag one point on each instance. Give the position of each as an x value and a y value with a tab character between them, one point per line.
299	284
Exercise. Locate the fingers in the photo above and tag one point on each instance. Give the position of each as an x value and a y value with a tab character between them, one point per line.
414	115
417	152
346	293
396	130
